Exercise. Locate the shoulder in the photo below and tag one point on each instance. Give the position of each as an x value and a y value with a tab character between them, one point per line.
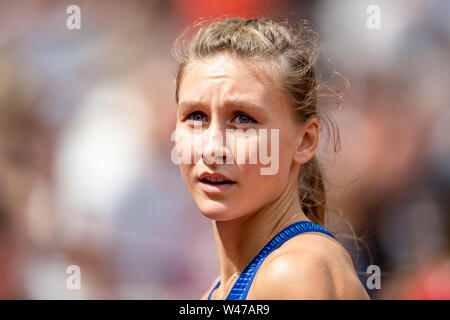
308	266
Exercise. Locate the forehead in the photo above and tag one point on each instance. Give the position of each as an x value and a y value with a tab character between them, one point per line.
224	77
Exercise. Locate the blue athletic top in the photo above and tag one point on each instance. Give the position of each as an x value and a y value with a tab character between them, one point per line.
243	283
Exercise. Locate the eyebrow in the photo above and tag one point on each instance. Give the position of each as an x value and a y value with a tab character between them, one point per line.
228	102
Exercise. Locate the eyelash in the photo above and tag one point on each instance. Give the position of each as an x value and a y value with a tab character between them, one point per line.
189	116
237	114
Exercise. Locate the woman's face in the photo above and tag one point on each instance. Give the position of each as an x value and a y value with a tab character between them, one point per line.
230	103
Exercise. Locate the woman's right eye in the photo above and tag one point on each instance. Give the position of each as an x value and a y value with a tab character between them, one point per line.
197	116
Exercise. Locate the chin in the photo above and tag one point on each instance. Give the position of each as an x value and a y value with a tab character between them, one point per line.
216	210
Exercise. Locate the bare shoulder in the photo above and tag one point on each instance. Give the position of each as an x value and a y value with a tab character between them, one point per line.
205	295
309	266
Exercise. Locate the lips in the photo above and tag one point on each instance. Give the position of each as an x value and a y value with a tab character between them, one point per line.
214	182
214	178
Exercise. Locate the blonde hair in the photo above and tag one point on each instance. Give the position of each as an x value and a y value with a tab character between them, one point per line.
290	52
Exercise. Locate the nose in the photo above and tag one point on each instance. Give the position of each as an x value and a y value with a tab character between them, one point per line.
214	150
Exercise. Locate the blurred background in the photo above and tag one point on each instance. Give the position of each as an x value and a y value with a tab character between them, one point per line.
86	176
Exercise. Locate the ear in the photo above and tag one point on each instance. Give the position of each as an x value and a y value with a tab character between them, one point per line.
308	140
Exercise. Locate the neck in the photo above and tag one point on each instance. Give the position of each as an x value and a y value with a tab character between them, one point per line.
240	240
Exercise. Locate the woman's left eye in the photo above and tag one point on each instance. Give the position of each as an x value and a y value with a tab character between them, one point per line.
244	118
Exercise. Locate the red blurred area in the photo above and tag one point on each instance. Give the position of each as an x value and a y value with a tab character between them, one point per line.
189	11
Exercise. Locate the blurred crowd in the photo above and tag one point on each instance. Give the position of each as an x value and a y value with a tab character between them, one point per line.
86	118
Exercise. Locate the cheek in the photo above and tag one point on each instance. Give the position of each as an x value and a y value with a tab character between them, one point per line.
183	150
259	189
265	157
185	170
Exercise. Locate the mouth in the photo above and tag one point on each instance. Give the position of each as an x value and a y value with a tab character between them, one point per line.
215	182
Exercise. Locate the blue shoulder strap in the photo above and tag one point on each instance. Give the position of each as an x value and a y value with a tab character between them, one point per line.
215	287
242	285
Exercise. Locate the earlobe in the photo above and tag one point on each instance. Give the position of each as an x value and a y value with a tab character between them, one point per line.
304	152
301	156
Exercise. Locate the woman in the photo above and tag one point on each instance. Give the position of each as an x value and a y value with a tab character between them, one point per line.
237	76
